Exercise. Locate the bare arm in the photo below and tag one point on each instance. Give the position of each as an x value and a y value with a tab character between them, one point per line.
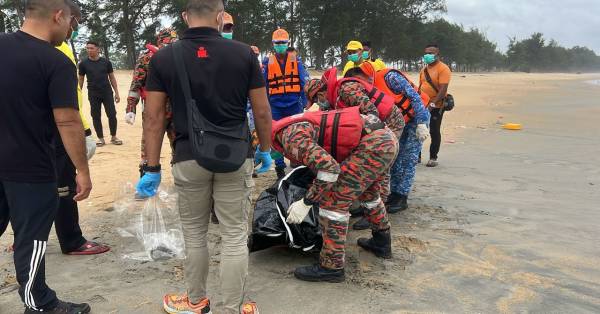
441	94
154	125
81	80
113	83
262	116
68	122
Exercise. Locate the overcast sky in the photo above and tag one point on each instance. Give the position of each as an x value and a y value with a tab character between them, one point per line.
570	22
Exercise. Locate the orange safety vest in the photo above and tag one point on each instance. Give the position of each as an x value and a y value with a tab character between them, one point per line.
340	131
280	82
401	100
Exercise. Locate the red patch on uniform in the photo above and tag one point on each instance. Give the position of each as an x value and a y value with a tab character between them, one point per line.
202	53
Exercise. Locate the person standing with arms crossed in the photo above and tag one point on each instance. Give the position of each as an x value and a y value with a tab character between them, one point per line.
99	71
434	81
221	75
39	103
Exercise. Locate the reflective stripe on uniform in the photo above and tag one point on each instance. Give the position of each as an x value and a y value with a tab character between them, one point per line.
372	204
335	216
327	176
64	191
134	94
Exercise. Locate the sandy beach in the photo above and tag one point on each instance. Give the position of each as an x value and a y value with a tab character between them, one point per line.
508	222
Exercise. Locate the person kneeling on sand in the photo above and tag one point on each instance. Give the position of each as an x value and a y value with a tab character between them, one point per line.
349	153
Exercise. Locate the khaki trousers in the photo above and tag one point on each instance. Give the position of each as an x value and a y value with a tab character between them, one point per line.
197	189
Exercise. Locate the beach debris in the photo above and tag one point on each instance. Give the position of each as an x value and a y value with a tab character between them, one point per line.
512	126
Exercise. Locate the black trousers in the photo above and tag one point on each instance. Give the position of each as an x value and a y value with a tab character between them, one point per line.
67	218
435	131
30	208
96	101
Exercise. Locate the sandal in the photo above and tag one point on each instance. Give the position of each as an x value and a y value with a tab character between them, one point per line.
100	143
90	248
116	141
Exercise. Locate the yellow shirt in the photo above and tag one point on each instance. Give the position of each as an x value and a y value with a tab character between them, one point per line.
64	48
377	64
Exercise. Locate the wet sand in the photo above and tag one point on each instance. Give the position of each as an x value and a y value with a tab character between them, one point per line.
507	223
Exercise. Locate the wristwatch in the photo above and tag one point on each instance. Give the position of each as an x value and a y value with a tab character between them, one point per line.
148	168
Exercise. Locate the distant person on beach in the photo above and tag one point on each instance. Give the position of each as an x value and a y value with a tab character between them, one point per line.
434	81
39	108
101	77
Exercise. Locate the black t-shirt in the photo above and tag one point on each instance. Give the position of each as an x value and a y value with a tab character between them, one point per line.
221	71
35	78
97	75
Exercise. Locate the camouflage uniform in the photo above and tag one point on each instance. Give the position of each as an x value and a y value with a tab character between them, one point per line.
354	94
358	178
138	85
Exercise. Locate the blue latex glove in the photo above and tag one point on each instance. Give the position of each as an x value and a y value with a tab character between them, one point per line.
263	158
148	184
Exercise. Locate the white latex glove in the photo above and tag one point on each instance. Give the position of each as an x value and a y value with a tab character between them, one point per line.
90	145
297	211
130	118
422	132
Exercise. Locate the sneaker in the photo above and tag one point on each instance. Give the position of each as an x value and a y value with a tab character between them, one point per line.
432	163
64	308
180	304
250	308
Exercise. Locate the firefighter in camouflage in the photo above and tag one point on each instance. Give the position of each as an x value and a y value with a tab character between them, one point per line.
337	185
137	90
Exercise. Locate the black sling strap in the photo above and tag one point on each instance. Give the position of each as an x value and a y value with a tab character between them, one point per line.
334	134
322	127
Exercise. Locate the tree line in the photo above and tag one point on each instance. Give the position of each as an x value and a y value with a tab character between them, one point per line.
397	29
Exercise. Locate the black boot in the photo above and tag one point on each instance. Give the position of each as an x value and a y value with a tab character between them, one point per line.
358	212
380	244
362	224
317	273
280	172
396	203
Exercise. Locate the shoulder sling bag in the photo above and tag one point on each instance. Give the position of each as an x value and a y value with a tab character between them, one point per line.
448	100
216	148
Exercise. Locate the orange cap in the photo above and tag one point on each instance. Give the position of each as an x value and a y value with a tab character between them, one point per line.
227	19
281	35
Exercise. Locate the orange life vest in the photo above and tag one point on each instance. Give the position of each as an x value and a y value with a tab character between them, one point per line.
340	131
401	100
383	102
283	82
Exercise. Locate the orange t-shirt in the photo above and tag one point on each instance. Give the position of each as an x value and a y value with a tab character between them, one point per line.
440	74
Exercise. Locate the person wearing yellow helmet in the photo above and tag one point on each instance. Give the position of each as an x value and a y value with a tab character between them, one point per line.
357	54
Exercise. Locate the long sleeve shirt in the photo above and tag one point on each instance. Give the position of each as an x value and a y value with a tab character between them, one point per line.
400	86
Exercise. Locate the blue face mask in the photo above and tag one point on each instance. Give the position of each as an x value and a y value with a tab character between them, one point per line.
227	35
429	58
280	48
323	105
74	34
354	57
365	55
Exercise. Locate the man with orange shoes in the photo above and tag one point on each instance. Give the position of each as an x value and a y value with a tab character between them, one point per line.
285	76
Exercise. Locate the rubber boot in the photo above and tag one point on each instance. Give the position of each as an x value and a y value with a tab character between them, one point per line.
380	244
316	273
396	203
362	224
280	172
358	212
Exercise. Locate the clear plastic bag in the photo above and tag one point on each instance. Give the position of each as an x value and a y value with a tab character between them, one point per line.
150	228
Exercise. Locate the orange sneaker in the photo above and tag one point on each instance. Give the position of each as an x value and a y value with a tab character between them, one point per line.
250	308
180	304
